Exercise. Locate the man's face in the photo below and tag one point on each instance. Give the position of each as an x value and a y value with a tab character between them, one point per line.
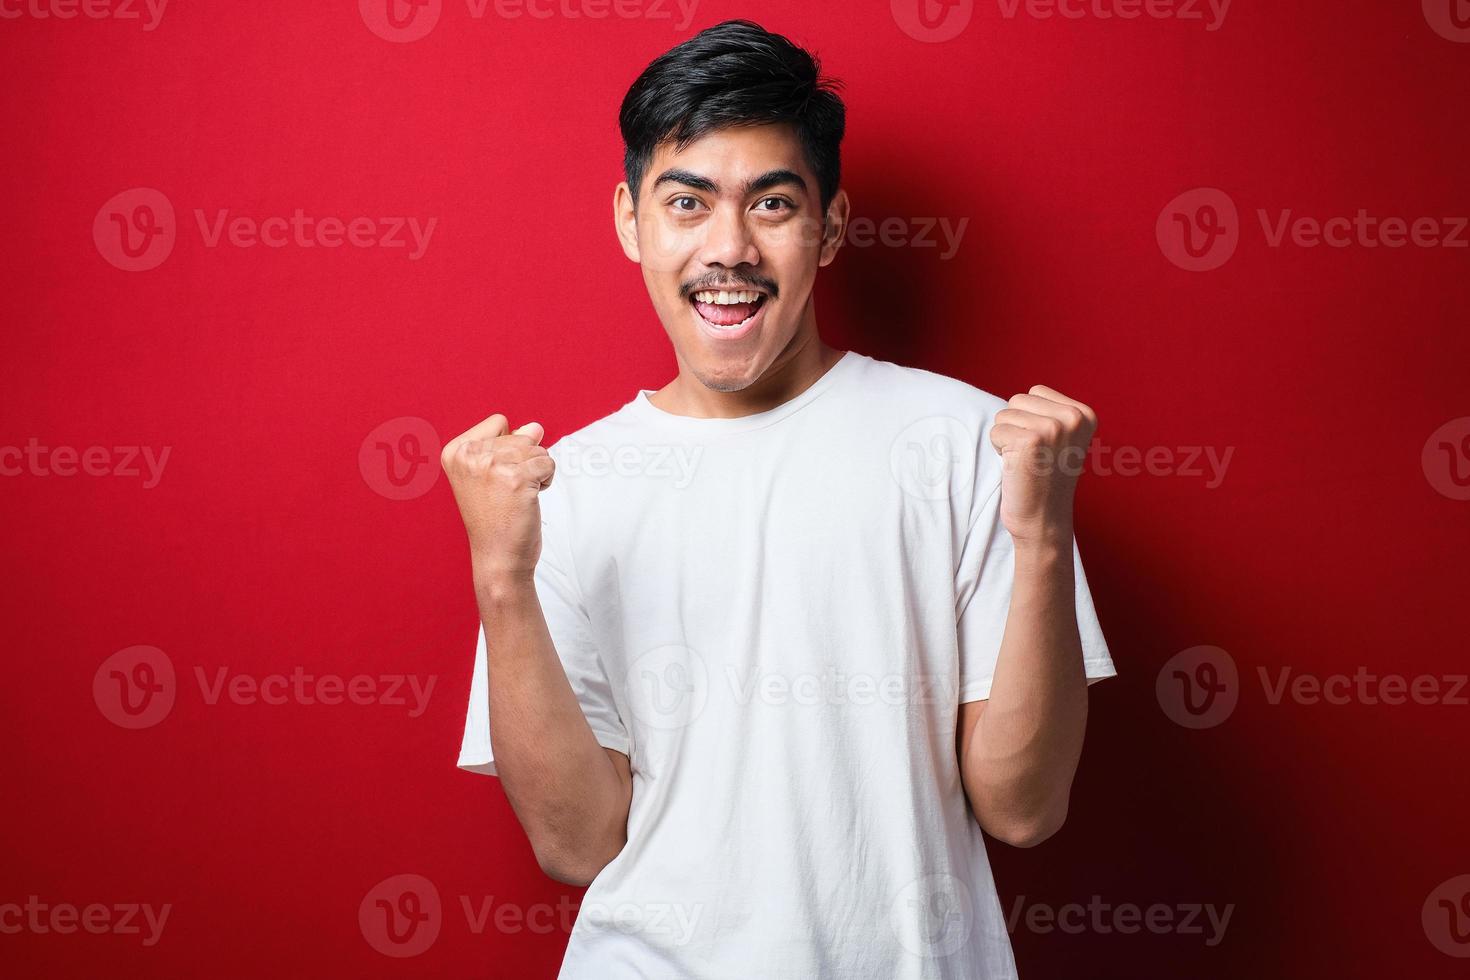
737	211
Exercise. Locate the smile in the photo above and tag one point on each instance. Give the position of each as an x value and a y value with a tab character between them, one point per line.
728	314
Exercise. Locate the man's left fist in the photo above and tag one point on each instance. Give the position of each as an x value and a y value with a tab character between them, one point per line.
1042	438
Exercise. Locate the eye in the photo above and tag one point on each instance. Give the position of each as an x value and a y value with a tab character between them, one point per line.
684	197
781	202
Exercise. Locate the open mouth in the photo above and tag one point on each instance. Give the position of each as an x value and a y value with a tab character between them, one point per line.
727	310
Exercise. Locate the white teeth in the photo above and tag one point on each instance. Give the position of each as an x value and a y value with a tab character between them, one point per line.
726	298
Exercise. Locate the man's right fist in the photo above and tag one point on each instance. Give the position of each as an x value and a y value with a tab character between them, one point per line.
497	476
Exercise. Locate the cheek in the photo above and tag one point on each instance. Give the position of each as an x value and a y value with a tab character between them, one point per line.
664	248
791	241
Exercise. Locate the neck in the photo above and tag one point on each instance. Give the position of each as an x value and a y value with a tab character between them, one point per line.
794	370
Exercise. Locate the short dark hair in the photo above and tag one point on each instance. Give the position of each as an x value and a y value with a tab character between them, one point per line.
734	74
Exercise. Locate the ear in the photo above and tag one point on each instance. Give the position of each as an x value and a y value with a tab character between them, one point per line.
834	229
625	220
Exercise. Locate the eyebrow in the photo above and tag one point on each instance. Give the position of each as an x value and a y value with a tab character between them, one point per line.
767	180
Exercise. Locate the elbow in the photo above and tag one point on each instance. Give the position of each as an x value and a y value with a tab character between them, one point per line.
1029	830
578	876
573	865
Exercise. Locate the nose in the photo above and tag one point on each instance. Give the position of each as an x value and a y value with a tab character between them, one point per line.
728	241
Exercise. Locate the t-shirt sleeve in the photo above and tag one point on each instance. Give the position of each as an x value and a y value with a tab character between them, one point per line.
983	598
571	634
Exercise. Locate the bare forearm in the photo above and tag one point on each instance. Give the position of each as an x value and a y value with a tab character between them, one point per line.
1026	743
563	786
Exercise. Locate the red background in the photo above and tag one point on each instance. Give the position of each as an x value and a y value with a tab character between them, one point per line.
1326	548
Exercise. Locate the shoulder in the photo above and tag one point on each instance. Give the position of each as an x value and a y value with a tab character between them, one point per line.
906	389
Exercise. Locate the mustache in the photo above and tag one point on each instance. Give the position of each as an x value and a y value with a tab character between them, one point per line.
767	286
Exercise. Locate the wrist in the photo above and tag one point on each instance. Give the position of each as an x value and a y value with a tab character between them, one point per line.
502	584
1044	550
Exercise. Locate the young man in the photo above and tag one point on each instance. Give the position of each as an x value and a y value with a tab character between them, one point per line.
784	635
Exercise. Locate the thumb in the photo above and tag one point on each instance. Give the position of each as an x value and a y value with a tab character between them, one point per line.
532	429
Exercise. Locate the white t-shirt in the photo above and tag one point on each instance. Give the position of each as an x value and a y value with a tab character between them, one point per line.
776	618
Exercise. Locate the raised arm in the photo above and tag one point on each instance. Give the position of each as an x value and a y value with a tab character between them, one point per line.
570	794
1020	748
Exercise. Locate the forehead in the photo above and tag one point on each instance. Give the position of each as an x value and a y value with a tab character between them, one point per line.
734	154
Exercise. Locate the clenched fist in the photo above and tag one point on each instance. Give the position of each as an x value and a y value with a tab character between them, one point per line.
1042	438
497	477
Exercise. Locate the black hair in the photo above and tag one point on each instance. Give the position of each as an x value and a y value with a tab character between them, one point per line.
733	74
